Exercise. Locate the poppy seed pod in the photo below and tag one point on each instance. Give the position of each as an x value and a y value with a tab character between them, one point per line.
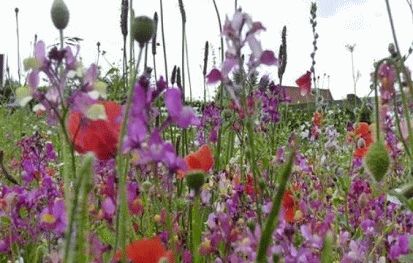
377	160
60	14
195	180
143	29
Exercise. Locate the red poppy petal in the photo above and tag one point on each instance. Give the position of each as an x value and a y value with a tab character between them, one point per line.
205	157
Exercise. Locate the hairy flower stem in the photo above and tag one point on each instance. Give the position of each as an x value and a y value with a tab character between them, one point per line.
399	129
187	69
122	217
164	43
276	206
393	30
220	92
196	229
253	163
81	243
61	38
183	16
16	10
376	99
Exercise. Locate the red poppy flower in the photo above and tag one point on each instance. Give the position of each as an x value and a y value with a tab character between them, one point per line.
147	251
317	118
202	160
289	205
97	136
363	138
304	83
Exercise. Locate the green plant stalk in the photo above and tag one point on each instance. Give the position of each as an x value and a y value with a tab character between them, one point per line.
183	59
83	230
221	90
406	111
122	168
220	30
164	43
376	99
254	167
276	206
61	38
196	228
396	115
187	68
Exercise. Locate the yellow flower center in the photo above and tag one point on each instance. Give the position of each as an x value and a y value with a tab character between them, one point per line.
48	218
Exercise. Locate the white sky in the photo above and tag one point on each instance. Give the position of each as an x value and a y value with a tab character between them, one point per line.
340	22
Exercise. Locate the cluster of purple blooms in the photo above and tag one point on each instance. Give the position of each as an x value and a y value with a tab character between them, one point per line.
34	209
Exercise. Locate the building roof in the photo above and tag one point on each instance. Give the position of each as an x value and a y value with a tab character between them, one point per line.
294	96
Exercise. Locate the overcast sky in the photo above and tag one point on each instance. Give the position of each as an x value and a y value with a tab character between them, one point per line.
340	22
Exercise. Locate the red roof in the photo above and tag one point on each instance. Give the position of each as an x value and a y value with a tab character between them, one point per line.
293	94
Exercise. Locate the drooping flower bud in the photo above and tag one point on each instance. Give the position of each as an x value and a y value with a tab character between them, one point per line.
195	180
142	29
60	14
377	160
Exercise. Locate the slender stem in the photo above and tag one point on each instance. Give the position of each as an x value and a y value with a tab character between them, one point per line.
61	38
221	90
187	68
183	61
122	163
392	26
376	99
253	163
276	206
164	43
146	57
220	30
18	45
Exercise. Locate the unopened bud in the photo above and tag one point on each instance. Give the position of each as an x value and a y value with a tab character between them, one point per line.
60	14
142	29
377	160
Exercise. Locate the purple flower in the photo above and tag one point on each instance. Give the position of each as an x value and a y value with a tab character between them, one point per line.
53	217
183	116
399	245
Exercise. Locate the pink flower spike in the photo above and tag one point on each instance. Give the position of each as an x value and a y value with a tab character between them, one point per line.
268	58
304	83
214	76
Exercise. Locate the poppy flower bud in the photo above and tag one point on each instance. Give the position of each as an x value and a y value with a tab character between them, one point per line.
195	180
146	186
142	29
377	160
60	14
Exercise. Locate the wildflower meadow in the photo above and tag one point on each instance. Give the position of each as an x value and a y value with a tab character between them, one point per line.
125	165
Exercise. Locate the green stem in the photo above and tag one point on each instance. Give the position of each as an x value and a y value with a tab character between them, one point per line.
196	229
122	168
163	43
253	163
276	206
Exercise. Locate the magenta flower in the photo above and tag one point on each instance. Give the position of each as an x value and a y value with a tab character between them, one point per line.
53	218
183	116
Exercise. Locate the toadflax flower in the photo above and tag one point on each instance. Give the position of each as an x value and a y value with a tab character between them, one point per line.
54	217
97	135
